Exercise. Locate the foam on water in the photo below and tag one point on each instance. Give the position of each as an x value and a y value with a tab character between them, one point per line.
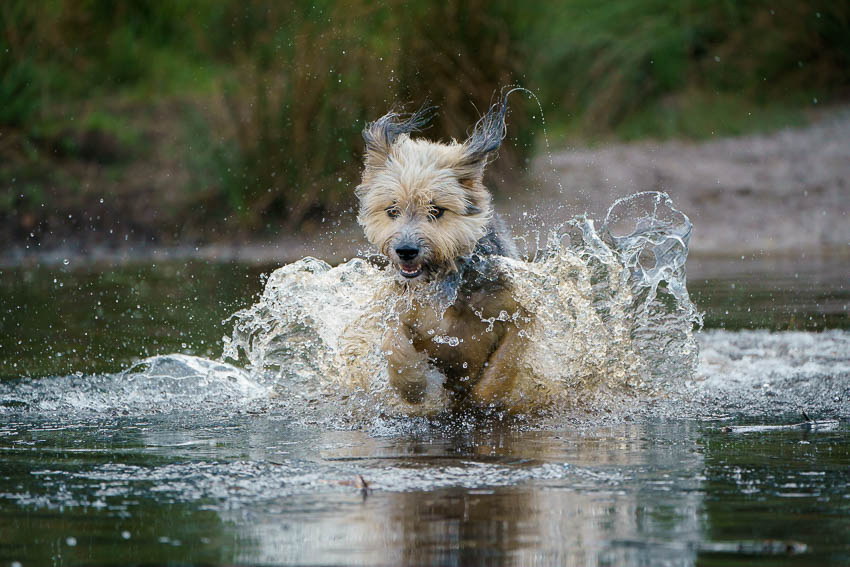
763	372
610	319
175	382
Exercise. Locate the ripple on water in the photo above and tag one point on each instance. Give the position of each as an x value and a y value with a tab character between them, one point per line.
233	485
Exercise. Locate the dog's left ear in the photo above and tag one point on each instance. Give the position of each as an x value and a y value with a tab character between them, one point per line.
485	139
381	134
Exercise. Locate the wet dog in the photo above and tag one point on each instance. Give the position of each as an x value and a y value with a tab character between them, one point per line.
424	205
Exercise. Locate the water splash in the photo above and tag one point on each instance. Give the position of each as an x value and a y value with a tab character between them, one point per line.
166	383
611	320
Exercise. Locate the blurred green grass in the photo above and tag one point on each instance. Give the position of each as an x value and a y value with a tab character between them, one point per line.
633	69
263	101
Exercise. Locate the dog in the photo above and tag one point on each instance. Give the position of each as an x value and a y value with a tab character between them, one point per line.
423	204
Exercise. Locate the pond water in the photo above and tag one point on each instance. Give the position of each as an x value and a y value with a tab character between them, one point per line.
183	459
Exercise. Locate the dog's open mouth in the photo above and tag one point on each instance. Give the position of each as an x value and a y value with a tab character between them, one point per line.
410	272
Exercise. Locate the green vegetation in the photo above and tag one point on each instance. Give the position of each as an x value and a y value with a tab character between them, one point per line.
641	68
254	108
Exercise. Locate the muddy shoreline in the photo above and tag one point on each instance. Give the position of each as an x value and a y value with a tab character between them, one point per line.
778	194
782	197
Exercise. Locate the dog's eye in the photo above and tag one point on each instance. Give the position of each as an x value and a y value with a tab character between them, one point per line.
393	212
436	212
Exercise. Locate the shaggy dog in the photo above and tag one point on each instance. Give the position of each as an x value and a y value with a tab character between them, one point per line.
423	204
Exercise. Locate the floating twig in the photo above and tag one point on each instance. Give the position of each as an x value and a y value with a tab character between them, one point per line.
758	547
811	425
359	483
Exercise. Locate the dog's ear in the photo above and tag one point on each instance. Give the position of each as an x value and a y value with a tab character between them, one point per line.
383	132
485	139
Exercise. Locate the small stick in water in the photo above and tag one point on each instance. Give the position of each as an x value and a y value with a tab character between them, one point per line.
821	425
361	483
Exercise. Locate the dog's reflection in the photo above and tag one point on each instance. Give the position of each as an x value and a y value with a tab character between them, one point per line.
497	496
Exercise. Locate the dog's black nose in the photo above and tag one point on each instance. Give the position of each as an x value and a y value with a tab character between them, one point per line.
407	252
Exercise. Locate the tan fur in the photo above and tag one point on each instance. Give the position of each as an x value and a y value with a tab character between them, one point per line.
414	174
406	182
480	369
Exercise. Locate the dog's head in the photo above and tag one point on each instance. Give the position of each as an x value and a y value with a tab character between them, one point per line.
423	203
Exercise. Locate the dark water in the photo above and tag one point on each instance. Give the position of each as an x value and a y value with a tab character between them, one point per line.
255	490
56	320
99	467
786	293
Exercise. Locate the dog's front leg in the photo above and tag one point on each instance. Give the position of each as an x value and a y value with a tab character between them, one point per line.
407	367
500	371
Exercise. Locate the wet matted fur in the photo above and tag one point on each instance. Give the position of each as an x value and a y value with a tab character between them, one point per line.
423	204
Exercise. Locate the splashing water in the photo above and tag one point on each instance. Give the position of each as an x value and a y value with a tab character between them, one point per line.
159	384
611	320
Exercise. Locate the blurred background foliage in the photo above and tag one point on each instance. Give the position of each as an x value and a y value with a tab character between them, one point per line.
207	119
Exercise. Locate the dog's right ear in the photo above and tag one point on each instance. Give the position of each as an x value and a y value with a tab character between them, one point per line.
383	132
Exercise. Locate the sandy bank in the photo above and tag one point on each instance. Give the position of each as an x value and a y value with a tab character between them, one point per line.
787	191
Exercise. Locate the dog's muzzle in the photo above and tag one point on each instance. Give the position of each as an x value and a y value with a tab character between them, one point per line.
410	261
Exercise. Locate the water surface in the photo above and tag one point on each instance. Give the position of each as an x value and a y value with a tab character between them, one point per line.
253	489
181	459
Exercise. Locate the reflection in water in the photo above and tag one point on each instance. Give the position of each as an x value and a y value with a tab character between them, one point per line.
790	486
257	490
573	499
